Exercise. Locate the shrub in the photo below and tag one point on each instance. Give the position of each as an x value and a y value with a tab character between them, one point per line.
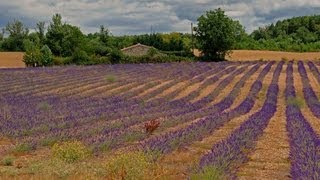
44	106
46	56
48	141
151	126
110	78
209	173
70	151
131	165
96	59
79	57
23	147
61	60
296	102
32	57
152	52
7	161
116	56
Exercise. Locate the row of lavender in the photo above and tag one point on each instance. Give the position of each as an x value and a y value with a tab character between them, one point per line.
107	122
70	108
25	117
231	152
208	124
304	142
103	134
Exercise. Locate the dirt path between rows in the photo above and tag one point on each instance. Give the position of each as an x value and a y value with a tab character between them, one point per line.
180	163
270	160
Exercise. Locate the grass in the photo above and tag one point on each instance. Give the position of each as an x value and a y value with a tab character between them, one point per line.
131	165
8	161
44	106
70	151
110	78
23	148
298	102
209	173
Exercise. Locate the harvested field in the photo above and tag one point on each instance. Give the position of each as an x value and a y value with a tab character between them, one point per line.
254	55
251	55
11	60
226	120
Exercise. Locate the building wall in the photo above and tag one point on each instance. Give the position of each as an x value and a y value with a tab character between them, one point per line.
137	51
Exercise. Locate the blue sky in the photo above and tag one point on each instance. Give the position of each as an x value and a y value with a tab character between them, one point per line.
136	17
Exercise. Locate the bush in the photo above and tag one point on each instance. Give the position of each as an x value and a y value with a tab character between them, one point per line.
23	147
79	57
111	78
46	56
152	52
35	56
209	173
155	59
296	102
131	165
61	60
96	59
7	161
70	151
116	56
32	57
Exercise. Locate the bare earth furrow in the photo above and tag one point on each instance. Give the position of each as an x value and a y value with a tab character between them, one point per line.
270	159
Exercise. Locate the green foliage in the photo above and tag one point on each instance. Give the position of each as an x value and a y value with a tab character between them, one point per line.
165	42
41	32
35	56
46	56
296	102
155	59
130	165
152	52
110	78
216	34
80	57
23	147
70	151
209	173
61	60
44	106
7	160
17	34
63	39
296	34
48	141
104	35
116	56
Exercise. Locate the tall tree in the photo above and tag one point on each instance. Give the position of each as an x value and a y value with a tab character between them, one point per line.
55	35
216	34
63	38
2	34
41	31
104	34
17	34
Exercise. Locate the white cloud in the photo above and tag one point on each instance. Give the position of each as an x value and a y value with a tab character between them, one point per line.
131	17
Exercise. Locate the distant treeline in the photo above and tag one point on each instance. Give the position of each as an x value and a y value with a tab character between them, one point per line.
299	34
63	43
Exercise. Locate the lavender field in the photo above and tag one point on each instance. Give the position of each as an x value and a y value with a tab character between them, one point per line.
246	120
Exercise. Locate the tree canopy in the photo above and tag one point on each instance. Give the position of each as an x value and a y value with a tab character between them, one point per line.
217	34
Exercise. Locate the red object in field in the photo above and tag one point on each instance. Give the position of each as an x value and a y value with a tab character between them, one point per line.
151	126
